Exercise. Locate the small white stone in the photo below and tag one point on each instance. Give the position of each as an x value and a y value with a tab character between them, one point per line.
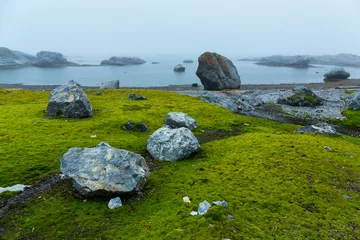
93	136
15	188
193	213
115	203
186	199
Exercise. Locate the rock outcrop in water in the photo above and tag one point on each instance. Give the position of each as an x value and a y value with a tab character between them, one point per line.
52	59
10	58
285	61
217	72
337	74
179	68
122	61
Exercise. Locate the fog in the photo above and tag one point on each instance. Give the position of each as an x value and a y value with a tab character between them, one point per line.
236	28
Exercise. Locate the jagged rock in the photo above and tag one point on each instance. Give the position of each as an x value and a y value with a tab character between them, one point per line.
51	59
285	61
353	101
133	96
110	85
203	207
123	61
115	203
337	74
322	128
10	58
172	144
302	97
104	170
179	119
69	101
188	61
217	72
179	68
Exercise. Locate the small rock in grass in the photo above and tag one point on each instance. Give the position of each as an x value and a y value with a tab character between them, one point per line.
347	197
128	126
221	203
229	216
141	127
179	119
328	148
93	136
115	203
133	96
203	207
186	199
348	154
98	93
193	213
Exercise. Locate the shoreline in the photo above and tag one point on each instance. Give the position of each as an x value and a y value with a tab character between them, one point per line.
345	84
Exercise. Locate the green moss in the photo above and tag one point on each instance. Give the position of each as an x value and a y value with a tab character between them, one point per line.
352	120
278	186
349	91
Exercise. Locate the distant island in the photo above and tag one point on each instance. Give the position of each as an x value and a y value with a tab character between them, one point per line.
122	61
303	61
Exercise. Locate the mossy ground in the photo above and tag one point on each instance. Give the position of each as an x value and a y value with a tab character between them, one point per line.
279	184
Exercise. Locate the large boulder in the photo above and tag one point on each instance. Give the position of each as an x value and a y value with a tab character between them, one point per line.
353	101
10	58
51	59
179	68
172	144
285	61
69	101
123	61
179	119
110	85
104	170
337	74
217	72
302	97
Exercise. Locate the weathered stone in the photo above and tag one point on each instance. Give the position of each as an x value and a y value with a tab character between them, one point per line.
179	68
133	96
10	58
302	97
69	101
115	203
353	101
132	126
321	128
203	207
172	144
110	85
104	170
337	74
217	72
123	61
179	119
51	59
141	127
221	203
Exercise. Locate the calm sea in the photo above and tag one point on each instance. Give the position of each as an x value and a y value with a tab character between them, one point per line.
159	74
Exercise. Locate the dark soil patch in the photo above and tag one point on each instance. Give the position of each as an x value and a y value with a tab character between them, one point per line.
210	135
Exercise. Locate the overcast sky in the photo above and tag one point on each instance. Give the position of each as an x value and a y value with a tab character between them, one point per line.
236	28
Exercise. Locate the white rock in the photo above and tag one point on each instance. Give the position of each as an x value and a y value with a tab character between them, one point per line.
186	199
203	207
115	203
15	188
193	213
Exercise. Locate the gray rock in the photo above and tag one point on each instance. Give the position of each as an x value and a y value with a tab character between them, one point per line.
302	97
132	126
353	101
341	59
155	63
179	68
328	148
110	85
347	197
221	203
229	216
188	61
10	58
51	59
133	96
123	61
69	101
98	93
172	144
179	119
14	188
203	207
217	72
193	213
104	170
115	203
337	74
321	128
285	61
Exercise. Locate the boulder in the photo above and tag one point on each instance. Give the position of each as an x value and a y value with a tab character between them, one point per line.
123	61
179	68
51	59
10	58
285	61
337	74
110	85
172	144
217	72
302	97
69	101
353	101
104	170
133	96
179	119
188	61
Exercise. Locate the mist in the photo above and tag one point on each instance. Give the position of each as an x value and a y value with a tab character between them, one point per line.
141	27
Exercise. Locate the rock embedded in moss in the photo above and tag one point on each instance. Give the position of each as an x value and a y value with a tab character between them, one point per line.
172	144
133	96
115	203
179	119
353	102
69	101
104	170
302	97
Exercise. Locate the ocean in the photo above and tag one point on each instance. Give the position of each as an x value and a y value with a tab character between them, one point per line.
147	75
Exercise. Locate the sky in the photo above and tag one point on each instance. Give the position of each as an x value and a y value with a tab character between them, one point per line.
234	28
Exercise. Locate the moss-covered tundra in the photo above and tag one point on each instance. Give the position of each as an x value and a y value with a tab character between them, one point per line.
279	185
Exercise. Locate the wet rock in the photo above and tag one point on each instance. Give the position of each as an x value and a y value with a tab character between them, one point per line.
51	59
203	207
179	119
104	170
321	128
69	101
179	68
115	203
123	61
172	144
353	101
337	74
221	203
110	85
217	72
302	97
133	96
